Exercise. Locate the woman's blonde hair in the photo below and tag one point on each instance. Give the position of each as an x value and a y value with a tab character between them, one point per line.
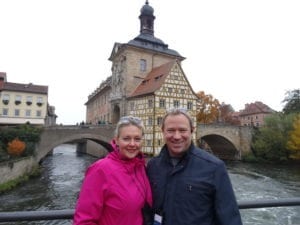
129	120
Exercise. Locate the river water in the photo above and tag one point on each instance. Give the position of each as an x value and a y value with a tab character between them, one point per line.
62	174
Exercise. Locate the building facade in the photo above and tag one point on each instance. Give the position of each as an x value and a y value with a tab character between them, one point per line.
24	103
147	79
254	114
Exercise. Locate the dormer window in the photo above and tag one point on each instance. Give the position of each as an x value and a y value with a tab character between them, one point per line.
145	81
158	77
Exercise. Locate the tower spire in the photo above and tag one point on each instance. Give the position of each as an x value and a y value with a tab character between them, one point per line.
147	19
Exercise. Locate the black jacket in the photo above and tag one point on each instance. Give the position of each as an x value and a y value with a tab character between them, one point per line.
197	191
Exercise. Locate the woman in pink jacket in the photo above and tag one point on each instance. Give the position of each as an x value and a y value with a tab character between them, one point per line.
116	188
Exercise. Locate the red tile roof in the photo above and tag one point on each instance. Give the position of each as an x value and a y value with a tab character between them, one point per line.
154	80
256	108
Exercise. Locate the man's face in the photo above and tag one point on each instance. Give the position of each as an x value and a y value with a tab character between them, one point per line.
177	134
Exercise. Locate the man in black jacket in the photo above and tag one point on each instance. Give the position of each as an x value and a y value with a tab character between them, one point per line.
189	185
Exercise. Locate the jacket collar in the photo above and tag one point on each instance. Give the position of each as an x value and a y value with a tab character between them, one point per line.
164	154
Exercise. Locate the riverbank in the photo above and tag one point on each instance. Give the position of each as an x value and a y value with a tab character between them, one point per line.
17	171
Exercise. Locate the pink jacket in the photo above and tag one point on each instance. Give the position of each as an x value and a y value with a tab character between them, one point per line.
113	192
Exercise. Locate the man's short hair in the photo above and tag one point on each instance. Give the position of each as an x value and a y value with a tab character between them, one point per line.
177	111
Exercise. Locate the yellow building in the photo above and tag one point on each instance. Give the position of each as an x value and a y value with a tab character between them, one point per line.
23	103
147	79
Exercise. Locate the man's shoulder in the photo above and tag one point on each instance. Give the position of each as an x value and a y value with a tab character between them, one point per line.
201	154
153	160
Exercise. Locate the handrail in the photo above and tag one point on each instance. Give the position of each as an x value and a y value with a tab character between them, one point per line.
67	214
64	214
283	202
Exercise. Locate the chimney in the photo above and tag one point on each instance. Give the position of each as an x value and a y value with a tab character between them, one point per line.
2	79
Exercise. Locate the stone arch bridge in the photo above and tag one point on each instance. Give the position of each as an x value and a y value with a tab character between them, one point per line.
227	142
54	136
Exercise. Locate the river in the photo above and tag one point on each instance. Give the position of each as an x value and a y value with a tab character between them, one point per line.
62	174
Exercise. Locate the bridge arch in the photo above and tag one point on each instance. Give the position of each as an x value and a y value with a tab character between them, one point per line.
221	146
52	137
226	141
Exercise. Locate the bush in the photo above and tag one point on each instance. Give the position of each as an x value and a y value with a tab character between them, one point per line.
249	157
16	147
26	133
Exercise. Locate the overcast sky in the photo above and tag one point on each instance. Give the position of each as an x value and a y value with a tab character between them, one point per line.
238	51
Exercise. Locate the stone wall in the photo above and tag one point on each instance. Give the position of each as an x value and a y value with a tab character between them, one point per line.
13	170
96	150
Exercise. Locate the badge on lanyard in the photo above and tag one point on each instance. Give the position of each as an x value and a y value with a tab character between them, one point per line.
157	219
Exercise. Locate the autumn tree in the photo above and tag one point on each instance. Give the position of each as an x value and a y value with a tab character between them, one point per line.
27	133
293	143
16	147
228	115
292	102
208	108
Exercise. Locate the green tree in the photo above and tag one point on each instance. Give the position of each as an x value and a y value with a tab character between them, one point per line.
292	102
293	144
269	142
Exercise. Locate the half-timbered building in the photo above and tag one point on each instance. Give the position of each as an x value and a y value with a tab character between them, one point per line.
147	79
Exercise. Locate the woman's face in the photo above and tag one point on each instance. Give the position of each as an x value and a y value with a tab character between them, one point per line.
129	141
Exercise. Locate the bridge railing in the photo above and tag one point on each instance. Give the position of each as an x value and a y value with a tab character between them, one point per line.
67	214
